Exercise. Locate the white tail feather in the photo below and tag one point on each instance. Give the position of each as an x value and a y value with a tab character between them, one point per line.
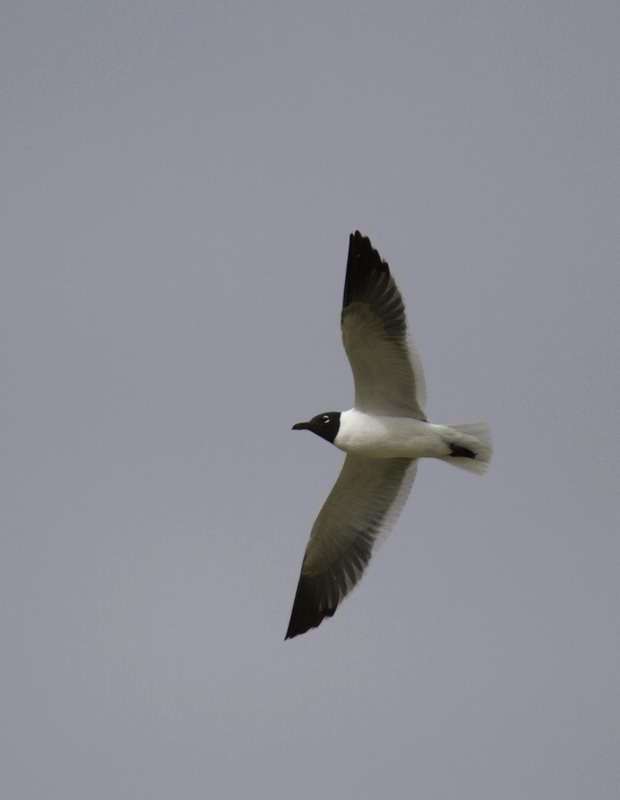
475	436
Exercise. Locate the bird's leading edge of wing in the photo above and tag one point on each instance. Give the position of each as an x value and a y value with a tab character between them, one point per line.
361	508
386	368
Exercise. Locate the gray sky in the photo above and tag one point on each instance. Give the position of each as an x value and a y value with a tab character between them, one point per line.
179	181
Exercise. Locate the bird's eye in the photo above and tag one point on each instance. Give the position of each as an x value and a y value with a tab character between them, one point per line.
325	418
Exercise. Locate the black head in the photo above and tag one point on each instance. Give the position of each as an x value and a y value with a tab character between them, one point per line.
324	425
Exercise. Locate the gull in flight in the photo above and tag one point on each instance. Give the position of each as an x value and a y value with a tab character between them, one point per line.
383	436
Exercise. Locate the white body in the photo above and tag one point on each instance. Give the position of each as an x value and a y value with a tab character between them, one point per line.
380	436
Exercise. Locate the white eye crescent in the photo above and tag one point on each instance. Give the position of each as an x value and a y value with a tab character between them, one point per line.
325	418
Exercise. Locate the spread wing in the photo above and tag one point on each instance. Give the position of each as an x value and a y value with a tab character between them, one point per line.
361	508
386	368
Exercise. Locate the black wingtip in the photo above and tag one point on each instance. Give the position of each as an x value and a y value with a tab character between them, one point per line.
308	611
360	241
300	624
364	268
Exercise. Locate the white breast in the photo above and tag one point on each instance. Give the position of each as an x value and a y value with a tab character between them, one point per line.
388	437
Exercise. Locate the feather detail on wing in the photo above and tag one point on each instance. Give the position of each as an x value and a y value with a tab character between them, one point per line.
361	508
386	367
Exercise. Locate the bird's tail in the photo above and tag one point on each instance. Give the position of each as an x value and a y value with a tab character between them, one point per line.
471	446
